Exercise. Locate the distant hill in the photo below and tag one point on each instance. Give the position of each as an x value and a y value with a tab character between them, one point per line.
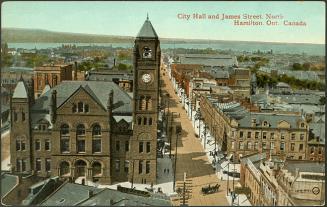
20	35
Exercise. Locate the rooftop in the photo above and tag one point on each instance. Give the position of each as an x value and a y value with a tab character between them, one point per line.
147	30
20	90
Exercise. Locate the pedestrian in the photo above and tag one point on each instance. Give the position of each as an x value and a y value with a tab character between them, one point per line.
168	170
165	170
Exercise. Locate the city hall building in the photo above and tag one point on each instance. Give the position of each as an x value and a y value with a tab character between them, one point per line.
91	129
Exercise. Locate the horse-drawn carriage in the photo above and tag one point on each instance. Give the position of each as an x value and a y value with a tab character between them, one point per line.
210	189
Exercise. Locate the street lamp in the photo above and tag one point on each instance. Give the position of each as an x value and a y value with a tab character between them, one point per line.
178	132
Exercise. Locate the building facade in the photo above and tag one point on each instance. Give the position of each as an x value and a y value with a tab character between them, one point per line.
91	129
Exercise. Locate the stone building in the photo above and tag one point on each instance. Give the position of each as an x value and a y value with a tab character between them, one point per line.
91	129
241	132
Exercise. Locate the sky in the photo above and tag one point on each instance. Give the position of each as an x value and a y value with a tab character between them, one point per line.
126	18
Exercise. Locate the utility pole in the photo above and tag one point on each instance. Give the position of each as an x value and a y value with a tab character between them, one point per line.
178	131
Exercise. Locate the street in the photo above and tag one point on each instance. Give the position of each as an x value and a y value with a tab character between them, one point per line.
192	159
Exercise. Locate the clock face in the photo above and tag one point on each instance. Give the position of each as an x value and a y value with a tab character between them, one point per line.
146	78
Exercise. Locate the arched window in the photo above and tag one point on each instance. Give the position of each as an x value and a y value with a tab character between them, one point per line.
96	138
80	106
147	52
64	129
96	130
96	169
80	139
148	104
80	129
64	168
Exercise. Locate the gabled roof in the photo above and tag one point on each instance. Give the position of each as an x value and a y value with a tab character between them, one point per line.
20	90
98	90
147	30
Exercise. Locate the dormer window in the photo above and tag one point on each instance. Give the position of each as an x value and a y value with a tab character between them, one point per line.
265	123
302	125
147	52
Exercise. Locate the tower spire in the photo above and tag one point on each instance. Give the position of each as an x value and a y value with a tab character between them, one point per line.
147	16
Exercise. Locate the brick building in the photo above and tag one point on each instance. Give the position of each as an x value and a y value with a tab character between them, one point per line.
51	74
90	129
241	132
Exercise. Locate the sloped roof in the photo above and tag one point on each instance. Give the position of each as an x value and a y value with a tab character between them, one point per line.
20	90
99	90
147	30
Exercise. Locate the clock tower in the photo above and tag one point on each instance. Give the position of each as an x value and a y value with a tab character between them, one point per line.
143	154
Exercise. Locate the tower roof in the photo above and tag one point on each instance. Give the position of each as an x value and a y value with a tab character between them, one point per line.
147	30
20	90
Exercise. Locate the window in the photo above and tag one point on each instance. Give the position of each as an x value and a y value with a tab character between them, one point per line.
301	136
272	145
264	146
140	166
300	157
140	147
126	146
146	52
18	165
18	148
272	135
96	138
256	135
96	169
293	136
265	123
47	144
147	167
302	125
80	130
86	108
241	134
80	145
282	135
96	145
126	166
22	145
80	106
233	145
64	145
319	150
48	165
144	121
96	131
117	146
249	134
256	145
37	145
312	150
301	147
64	168
148	147
264	135
64	130
150	121
282	146
38	164
23	116
292	146
241	145
249	145
117	165
139	120
24	165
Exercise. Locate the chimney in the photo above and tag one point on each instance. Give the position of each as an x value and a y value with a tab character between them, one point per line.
90	193
53	106
75	71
